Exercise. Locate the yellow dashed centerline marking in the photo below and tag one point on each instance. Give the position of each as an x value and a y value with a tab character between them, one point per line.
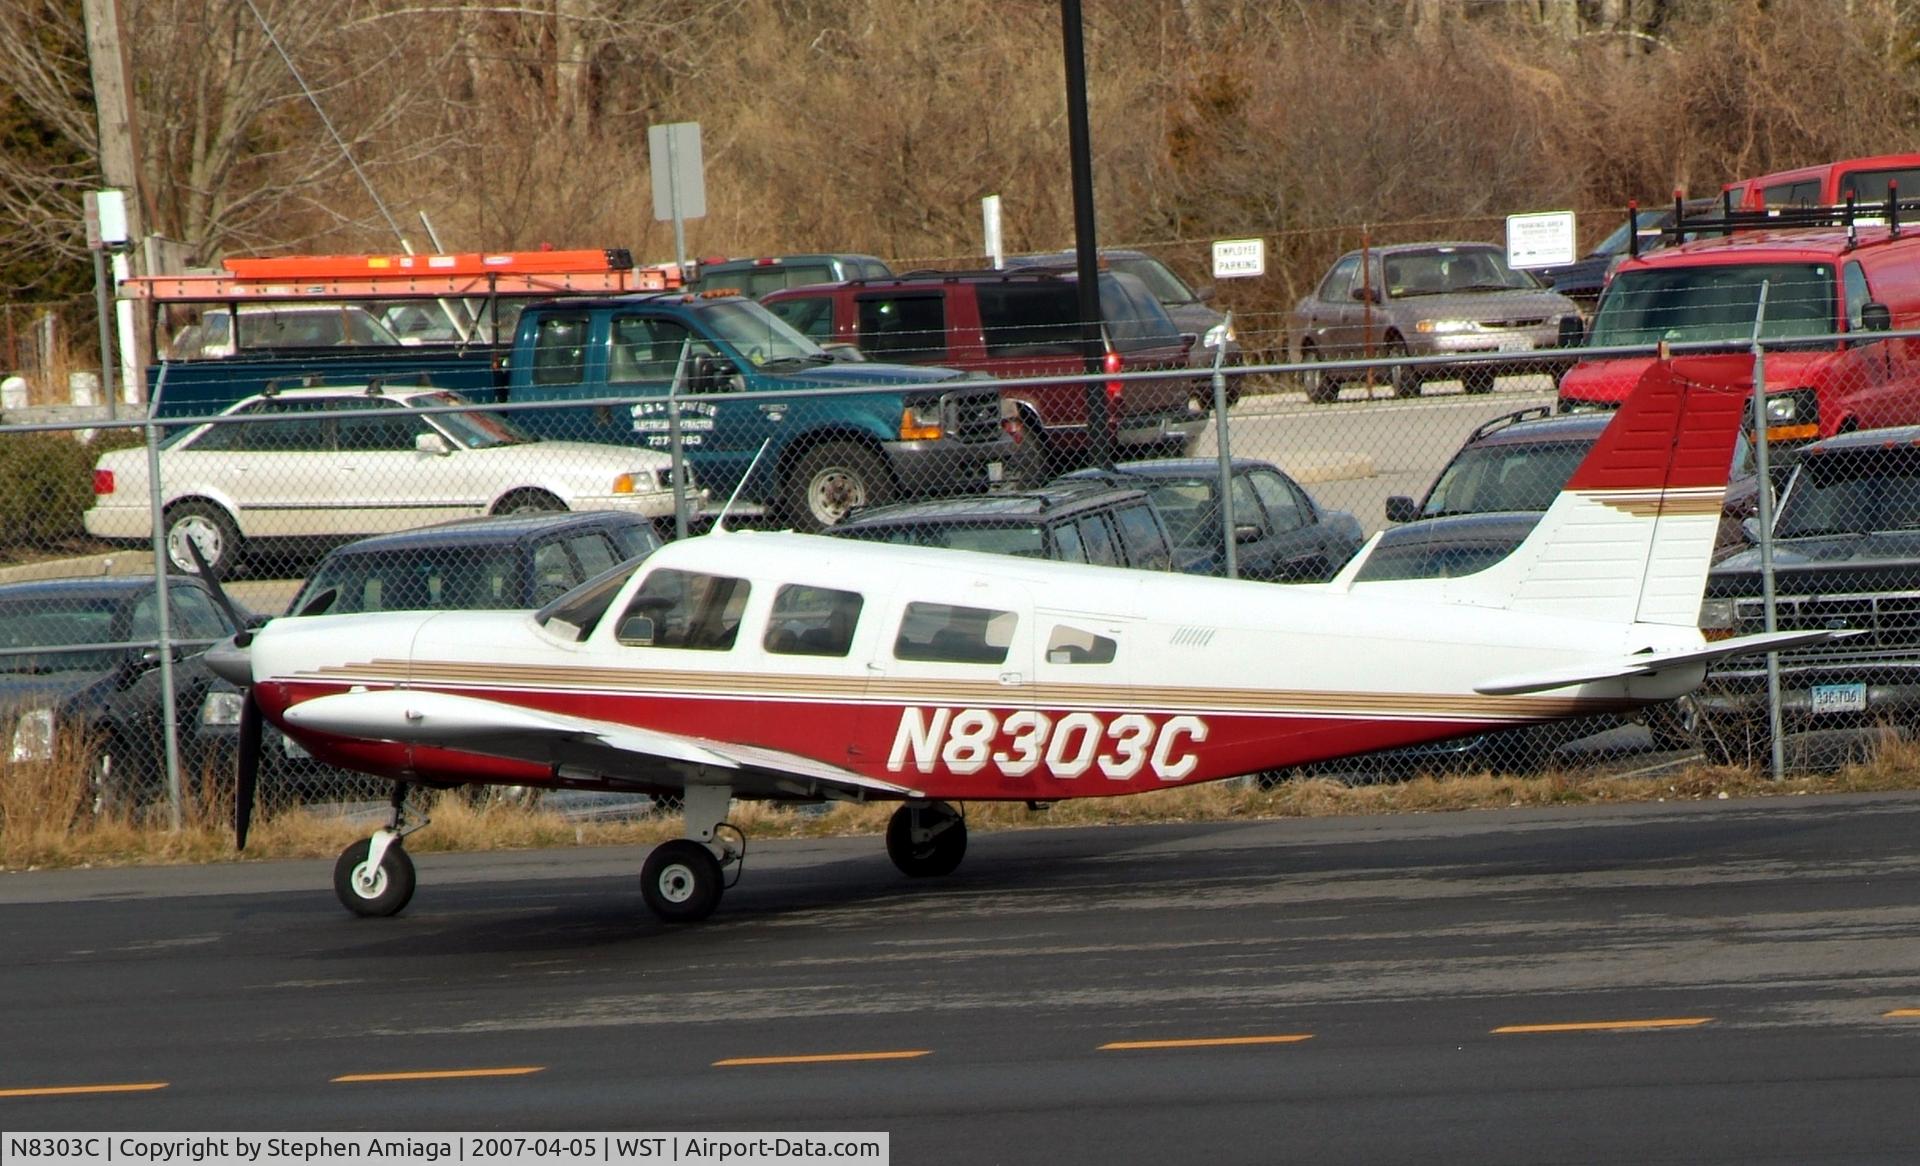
72	1090
824	1058
1204	1042
1609	1025
1903	1012
439	1074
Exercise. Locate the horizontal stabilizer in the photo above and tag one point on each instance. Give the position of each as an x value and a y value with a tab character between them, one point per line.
497	729
1649	663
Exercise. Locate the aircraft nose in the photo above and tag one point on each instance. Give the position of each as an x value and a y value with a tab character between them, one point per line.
231	662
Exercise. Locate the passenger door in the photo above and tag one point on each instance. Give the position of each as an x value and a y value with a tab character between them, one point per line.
1295	548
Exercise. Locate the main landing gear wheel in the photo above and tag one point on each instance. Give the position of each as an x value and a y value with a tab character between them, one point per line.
926	840
681	881
374	891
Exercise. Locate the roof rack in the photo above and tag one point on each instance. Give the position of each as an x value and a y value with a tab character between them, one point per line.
1851	214
368	277
1531	413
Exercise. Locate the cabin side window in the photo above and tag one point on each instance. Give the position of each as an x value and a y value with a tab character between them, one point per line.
1070	645
949	634
812	621
684	609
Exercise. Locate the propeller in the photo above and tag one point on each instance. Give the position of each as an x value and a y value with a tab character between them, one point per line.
231	662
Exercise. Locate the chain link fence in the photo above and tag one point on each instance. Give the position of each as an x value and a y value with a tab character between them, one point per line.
442	476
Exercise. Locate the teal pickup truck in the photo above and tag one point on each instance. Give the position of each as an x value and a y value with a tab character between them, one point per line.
761	408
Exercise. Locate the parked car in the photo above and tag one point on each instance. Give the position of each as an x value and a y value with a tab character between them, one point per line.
220	332
1582	280
1829	183
80	677
757	277
348	462
1819	282
1428	299
1280	533
1072	521
1846	555
1012	324
497	562
1190	308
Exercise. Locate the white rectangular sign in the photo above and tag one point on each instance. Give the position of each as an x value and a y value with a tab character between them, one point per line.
1234	258
1540	240
679	177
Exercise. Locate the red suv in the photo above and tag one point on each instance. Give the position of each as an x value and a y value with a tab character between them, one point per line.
1021	323
1829	183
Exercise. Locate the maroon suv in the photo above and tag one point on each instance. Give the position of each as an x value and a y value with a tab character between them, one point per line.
1022	323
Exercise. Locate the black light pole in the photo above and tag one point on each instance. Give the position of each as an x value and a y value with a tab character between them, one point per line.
1080	151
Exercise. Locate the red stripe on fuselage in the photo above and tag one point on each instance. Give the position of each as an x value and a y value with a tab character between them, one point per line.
948	752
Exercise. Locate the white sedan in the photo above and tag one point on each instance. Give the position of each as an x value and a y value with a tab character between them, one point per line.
324	465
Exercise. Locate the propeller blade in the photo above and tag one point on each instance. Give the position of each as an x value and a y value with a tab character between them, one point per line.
243	636
246	770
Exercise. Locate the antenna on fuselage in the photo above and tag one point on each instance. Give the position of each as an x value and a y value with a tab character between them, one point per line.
720	523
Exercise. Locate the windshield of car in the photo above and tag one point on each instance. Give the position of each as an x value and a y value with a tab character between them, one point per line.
445	578
1485	478
1026	540
476	430
1166	287
1715	303
30	627
1444	270
574	615
1852	492
759	336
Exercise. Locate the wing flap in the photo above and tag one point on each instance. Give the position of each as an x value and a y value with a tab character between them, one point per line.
498	729
1648	664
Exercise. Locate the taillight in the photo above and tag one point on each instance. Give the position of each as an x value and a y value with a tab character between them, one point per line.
1112	364
103	481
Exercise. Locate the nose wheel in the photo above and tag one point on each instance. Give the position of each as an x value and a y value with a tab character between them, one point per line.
374	877
926	839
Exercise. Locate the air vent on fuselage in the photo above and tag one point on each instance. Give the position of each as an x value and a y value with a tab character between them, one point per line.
1191	637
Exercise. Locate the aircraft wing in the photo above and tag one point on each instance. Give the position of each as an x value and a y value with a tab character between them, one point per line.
1648	663
498	729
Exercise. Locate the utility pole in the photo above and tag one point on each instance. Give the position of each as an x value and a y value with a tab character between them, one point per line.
119	164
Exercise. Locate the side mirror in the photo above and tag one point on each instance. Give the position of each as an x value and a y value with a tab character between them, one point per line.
1246	532
1573	332
1365	295
1203	294
1401	508
843	352
1875	317
707	374
431	443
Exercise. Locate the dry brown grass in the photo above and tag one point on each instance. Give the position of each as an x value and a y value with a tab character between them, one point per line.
41	823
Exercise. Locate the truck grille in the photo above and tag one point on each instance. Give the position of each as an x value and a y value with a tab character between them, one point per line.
1881	621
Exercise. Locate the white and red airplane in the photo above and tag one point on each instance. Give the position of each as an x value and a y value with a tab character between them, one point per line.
787	666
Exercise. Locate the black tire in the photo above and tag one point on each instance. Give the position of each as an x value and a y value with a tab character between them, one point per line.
681	881
1404	379
528	502
108	795
390	890
938	855
1322	387
831	479
1477	380
209	527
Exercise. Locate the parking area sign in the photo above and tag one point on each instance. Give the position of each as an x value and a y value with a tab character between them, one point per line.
1540	240
1233	258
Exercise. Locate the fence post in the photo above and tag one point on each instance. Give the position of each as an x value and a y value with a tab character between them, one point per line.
1230	551
679	466
163	616
1777	758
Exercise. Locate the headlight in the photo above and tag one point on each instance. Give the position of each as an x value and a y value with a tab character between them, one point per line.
1781	409
920	423
33	735
1437	326
221	708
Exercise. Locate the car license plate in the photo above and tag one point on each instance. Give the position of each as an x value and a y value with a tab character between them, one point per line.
996	472
1516	344
1839	698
